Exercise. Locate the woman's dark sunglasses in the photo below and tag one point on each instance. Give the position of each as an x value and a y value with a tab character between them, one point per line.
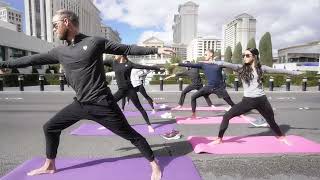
246	55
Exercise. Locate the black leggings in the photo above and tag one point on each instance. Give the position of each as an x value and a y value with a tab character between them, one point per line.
190	88
106	112
132	94
142	90
259	103
206	91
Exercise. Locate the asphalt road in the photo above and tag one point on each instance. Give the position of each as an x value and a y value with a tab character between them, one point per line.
22	115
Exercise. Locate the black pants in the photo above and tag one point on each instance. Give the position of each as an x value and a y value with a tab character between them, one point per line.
190	88
143	91
106	112
206	91
259	103
132	94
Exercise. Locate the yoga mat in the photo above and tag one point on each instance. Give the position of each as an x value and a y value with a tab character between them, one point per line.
147	106
174	168
220	108
93	129
209	120
254	145
137	113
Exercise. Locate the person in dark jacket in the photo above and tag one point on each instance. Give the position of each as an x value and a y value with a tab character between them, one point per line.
83	65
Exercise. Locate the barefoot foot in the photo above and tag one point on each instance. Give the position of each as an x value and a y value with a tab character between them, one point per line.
48	168
215	142
284	140
150	129
156	171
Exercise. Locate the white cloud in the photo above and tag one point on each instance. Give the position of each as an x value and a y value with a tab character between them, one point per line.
289	22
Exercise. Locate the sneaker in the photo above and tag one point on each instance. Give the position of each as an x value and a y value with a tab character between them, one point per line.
257	122
172	135
163	106
166	115
228	108
153	111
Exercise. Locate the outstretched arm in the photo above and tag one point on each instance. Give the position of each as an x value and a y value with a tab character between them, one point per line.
268	69
144	73
168	77
139	66
111	47
37	59
234	67
199	66
184	73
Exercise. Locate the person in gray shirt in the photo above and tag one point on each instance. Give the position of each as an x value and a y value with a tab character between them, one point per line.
254	96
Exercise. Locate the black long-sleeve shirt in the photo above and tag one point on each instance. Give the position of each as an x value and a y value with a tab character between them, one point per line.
193	74
123	71
82	62
213	72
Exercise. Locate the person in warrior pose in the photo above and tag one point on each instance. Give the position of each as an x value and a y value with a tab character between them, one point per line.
251	72
215	84
196	84
83	65
137	79
122	68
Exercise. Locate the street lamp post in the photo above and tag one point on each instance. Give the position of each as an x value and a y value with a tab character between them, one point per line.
319	61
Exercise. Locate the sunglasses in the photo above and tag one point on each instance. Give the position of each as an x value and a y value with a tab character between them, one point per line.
246	55
55	24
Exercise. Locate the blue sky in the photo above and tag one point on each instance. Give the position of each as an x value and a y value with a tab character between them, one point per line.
289	22
128	34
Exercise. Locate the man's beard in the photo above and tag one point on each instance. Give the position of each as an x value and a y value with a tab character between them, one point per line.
64	35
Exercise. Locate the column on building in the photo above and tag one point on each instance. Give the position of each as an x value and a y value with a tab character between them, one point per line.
27	16
49	20
42	20
33	15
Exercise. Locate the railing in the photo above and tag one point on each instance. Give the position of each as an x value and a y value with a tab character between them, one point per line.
236	84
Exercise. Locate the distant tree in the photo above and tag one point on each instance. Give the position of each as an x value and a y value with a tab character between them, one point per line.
172	69
236	55
228	54
265	48
217	54
251	43
227	58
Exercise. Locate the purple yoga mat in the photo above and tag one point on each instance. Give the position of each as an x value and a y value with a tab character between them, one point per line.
174	168
253	145
92	129
137	113
208	120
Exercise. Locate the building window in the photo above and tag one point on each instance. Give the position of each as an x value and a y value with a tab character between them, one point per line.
2	54
16	53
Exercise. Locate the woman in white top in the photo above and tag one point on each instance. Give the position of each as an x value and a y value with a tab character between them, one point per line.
254	97
137	78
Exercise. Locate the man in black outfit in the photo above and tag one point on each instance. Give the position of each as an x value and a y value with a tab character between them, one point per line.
84	70
196	84
122	68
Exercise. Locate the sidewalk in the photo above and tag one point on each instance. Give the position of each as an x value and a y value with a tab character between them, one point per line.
150	88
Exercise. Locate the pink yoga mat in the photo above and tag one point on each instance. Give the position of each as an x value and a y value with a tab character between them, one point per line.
208	120
220	108
174	168
94	129
253	145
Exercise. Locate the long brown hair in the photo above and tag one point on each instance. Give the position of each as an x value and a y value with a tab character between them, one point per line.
245	72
